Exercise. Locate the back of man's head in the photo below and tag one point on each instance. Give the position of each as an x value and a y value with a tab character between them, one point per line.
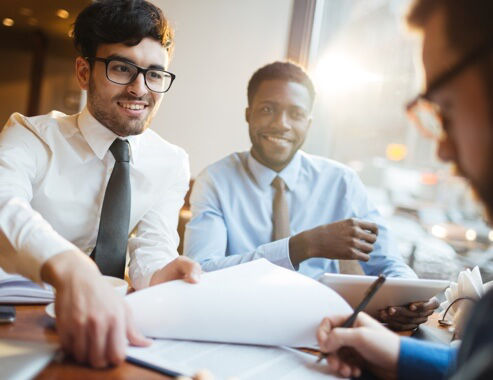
468	27
120	21
468	22
285	71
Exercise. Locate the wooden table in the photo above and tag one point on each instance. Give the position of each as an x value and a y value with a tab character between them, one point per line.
33	324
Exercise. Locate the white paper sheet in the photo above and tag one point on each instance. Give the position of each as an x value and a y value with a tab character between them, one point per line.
228	360
252	303
16	289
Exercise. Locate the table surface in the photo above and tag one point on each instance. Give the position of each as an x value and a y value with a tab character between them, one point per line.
32	323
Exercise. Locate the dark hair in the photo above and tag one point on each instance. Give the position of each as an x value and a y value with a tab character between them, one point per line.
120	21
286	71
468	26
468	22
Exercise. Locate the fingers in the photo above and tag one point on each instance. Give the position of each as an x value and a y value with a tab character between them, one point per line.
97	336
116	346
181	268
431	304
365	225
356	254
190	270
338	367
135	338
341	337
362	246
80	342
397	326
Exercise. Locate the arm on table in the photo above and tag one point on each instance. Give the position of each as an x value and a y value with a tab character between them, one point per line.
93	321
370	346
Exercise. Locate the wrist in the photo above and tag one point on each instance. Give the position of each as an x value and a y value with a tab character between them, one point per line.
57	269
298	249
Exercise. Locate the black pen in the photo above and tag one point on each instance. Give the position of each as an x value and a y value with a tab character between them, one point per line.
370	292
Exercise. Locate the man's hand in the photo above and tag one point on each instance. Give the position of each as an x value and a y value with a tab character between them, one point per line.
349	239
181	268
367	345
409	317
93	321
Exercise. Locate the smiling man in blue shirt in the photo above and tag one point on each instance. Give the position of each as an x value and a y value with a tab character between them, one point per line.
331	219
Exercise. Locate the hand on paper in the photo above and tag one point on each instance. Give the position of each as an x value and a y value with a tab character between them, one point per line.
181	268
408	317
349	239
93	321
367	345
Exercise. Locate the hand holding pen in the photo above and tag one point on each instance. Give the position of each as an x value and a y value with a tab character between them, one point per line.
371	291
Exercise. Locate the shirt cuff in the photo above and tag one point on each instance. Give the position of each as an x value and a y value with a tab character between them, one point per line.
423	360
277	253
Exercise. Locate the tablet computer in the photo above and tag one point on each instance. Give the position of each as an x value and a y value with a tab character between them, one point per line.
394	292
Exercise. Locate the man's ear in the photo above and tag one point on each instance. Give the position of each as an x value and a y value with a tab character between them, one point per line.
247	114
82	72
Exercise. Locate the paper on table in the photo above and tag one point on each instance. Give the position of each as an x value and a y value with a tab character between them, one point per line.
252	303
228	360
20	359
16	289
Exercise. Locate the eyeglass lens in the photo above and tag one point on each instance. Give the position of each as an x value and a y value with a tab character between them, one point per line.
427	118
123	73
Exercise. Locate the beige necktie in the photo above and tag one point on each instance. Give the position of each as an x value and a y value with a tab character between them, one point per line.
350	267
280	211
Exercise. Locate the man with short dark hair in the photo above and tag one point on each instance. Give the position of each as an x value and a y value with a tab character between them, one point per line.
76	186
300	211
456	108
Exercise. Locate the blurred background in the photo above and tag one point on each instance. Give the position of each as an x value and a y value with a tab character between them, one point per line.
360	60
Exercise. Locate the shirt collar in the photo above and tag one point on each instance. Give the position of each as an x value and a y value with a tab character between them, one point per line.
264	176
100	138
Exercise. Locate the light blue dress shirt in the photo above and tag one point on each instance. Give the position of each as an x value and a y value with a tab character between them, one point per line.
231	204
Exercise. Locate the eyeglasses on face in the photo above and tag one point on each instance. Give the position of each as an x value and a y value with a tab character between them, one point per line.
123	72
427	115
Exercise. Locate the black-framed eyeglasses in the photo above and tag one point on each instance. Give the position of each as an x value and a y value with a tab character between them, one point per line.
123	72
425	114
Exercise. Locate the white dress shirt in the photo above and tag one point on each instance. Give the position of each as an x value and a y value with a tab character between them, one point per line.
54	170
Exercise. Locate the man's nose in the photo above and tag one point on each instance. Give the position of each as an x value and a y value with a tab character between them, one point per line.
138	87
281	121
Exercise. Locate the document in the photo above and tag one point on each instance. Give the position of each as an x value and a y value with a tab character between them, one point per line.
15	289
20	360
231	360
253	303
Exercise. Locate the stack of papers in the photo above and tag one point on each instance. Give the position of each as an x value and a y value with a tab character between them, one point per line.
15	289
237	321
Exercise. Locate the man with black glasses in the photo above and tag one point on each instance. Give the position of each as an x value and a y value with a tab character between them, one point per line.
73	187
456	109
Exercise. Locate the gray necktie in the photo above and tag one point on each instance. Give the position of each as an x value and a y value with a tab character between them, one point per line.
111	245
280	211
